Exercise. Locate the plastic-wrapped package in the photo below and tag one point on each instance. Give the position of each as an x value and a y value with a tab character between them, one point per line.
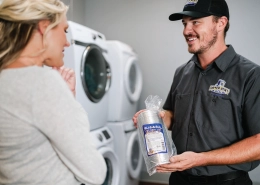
157	147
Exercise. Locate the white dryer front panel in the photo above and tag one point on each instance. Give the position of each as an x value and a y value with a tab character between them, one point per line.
133	79
113	173
133	155
103	140
126	84
87	55
97	107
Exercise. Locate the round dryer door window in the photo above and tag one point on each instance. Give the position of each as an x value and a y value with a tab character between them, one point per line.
112	176
133	79
95	73
134	156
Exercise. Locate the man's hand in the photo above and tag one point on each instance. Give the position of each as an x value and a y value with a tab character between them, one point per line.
181	162
135	117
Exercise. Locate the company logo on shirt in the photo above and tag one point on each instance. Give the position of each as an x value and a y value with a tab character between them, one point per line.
191	2
219	88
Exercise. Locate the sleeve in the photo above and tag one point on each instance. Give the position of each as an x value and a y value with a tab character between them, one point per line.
168	105
251	105
63	120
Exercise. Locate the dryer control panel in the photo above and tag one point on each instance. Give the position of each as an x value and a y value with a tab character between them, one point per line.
101	137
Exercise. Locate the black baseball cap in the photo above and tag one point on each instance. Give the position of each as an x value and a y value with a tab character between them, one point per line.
202	8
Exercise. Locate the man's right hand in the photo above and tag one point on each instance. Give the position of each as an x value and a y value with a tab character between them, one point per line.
165	115
135	117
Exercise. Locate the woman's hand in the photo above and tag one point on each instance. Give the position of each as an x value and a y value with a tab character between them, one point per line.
69	76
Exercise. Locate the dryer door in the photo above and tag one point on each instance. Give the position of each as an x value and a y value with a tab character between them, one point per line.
133	79
112	177
134	156
95	73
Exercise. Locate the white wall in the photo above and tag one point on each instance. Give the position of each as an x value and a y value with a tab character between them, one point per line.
77	10
144	25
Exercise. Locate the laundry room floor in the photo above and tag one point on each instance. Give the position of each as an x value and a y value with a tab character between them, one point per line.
150	183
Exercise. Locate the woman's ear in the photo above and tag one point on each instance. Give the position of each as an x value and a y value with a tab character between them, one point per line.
42	26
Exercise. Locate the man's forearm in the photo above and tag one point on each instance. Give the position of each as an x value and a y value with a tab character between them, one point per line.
246	150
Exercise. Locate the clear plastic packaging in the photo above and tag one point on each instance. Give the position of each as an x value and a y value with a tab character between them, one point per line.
156	145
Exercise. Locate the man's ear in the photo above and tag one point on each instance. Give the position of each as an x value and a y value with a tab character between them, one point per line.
42	26
222	22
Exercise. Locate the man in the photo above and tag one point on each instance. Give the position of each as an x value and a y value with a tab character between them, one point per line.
212	107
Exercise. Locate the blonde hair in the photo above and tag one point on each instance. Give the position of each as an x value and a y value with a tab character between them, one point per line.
18	20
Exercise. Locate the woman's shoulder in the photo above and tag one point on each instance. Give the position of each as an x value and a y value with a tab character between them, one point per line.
43	74
35	76
27	72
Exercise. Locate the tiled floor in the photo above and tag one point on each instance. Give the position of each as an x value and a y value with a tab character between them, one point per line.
149	183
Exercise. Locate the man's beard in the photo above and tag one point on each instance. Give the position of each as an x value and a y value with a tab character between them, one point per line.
206	47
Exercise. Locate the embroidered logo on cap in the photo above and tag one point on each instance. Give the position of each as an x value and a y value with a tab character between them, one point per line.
191	2
219	88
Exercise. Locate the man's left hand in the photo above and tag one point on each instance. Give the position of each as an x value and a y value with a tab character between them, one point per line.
180	162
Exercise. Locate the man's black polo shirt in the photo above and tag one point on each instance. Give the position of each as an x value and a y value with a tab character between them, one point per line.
216	107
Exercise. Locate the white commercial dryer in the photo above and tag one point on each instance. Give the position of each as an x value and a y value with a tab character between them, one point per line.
128	151
103	140
87	55
126	84
124	94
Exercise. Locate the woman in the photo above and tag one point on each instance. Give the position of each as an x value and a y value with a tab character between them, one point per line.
44	132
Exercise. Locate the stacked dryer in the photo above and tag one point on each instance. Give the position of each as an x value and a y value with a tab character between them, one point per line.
124	94
103	140
88	56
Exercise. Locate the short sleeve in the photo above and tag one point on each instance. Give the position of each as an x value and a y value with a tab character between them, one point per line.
251	104
168	105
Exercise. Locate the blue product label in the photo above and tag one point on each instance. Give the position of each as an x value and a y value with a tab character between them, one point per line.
154	139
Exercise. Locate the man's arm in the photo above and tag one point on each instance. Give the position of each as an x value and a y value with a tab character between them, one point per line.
246	150
167	117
